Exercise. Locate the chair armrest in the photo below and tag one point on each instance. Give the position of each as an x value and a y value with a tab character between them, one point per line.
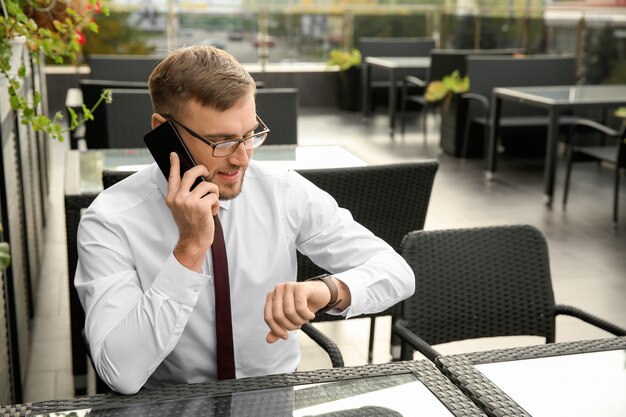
406	83
411	79
590	318
590	124
325	343
481	100
400	328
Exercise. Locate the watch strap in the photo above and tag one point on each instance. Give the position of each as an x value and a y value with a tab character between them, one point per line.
332	287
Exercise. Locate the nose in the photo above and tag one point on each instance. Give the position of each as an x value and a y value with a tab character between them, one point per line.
240	157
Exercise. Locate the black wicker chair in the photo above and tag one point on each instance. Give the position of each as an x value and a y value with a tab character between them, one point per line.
480	282
390	200
613	152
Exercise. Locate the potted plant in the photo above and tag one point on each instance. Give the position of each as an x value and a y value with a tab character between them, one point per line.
349	77
58	37
453	110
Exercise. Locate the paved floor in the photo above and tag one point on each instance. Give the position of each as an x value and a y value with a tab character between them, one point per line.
587	255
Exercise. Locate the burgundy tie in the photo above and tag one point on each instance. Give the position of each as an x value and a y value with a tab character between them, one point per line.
223	320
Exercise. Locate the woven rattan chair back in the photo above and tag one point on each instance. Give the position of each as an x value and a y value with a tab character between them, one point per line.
389	200
482	282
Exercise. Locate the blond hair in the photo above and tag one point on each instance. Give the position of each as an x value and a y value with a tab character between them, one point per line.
203	73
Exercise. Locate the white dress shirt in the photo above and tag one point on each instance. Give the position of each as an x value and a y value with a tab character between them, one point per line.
150	321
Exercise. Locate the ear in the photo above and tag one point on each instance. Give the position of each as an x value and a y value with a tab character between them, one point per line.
157	120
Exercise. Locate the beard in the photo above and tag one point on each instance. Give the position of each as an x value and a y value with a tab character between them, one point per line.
229	190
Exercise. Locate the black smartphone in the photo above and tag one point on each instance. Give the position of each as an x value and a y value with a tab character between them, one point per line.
164	139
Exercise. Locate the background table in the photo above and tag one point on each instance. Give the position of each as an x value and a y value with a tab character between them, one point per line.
397	67
585	378
556	100
414	388
83	182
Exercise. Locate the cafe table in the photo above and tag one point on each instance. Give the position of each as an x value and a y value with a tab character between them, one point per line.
83	182
412	388
583	378
556	100
397	67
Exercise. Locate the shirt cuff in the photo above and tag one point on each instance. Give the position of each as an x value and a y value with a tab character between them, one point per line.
357	294
179	283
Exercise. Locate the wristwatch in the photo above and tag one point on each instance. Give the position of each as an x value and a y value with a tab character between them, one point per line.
334	292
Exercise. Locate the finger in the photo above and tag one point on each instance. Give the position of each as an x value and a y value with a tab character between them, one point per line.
283	308
302	306
204	189
270	320
173	181
208	189
215	207
293	319
271	338
191	175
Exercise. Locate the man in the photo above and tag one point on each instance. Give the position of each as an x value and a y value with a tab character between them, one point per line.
145	272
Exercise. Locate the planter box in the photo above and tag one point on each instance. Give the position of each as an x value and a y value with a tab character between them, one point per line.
453	119
349	89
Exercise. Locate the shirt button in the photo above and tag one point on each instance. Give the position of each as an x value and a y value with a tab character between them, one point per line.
177	332
196	289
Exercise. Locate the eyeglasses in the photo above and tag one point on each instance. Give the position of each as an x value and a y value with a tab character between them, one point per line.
228	147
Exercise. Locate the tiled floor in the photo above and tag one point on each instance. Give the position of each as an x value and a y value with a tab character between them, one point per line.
587	255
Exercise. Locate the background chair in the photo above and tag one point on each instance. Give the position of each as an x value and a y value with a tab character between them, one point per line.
392	47
488	72
128	118
96	131
612	152
110	178
442	62
128	132
480	282
390	200
411	47
278	108
122	67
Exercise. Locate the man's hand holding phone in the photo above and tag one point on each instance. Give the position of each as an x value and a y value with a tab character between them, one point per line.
193	211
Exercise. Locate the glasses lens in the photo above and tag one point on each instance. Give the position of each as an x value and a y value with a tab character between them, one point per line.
256	141
228	147
225	148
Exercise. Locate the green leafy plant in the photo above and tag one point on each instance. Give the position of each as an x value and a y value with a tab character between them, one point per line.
448	85
59	39
5	253
344	59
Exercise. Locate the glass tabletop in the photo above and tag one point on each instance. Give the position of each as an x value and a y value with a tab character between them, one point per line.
583	94
587	384
390	395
